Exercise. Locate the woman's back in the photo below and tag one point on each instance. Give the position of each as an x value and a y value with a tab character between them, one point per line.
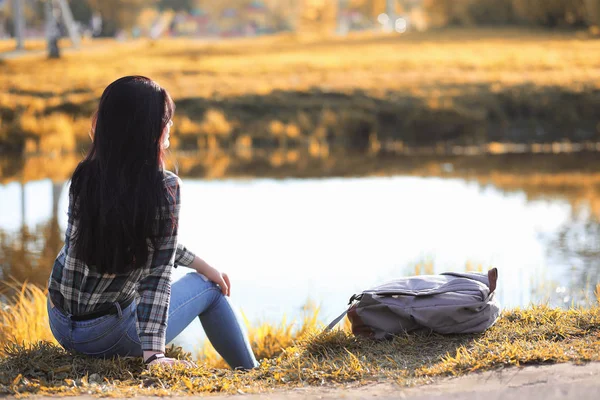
110	287
78	288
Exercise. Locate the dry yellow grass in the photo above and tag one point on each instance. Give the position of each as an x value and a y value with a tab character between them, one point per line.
537	335
269	340
25	320
10	45
428	62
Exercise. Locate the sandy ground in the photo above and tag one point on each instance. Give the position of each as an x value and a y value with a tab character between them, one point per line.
562	381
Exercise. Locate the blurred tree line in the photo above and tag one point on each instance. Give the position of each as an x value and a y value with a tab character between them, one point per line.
121	14
124	14
322	15
545	13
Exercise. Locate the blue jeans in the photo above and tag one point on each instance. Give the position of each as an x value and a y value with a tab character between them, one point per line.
192	296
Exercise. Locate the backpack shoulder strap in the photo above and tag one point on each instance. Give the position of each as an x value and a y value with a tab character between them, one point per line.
336	321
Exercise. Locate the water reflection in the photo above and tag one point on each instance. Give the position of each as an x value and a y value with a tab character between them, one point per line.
27	256
27	253
576	246
286	240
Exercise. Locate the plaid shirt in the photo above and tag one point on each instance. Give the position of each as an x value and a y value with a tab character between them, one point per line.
76	289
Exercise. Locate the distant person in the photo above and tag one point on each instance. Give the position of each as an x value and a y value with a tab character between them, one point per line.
55	31
96	24
110	290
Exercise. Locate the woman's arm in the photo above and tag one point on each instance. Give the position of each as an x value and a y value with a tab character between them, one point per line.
220	278
155	294
183	256
186	258
155	286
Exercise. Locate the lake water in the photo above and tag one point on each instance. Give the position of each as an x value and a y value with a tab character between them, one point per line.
286	241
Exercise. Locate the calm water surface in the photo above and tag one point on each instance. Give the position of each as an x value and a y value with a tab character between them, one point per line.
287	241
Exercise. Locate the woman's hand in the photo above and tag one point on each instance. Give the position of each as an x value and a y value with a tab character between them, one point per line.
171	361
220	278
159	358
213	275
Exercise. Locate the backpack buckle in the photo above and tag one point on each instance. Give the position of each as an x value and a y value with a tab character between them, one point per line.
354	298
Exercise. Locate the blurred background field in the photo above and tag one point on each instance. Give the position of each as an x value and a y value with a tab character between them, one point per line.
320	73
365	92
315	138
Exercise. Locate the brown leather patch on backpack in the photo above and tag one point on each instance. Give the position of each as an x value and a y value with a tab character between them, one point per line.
358	326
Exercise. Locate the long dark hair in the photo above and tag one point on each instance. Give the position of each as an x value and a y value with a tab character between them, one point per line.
118	190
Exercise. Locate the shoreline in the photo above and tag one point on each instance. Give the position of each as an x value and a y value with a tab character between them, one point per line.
301	163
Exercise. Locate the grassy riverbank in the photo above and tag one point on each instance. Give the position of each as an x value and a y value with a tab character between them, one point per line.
537	335
448	87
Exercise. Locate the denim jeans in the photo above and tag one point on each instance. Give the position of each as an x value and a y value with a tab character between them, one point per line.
192	296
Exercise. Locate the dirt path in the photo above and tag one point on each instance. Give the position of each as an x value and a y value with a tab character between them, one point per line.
555	382
562	381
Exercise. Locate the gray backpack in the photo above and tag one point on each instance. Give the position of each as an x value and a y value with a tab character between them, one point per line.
447	303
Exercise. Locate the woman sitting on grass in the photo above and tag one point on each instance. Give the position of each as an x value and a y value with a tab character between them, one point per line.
110	291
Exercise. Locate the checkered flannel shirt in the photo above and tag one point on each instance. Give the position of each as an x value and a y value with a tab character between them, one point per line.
76	289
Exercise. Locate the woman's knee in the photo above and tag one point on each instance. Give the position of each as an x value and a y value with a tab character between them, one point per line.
197	279
193	293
